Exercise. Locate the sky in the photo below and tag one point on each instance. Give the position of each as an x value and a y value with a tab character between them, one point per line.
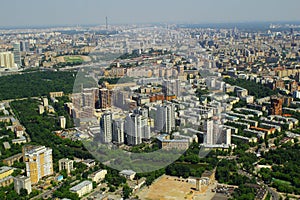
72	12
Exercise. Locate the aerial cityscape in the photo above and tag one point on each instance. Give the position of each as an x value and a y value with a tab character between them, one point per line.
150	100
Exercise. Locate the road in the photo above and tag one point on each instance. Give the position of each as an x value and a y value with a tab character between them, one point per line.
47	194
274	194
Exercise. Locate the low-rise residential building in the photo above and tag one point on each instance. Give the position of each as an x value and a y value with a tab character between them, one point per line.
164	142
266	131
251	122
6	171
11	160
238	124
20	140
240	115
6	145
50	109
258	134
244	139
19	131
56	94
41	109
269	126
98	175
82	188
128	174
13	121
250	111
89	162
6	181
5	176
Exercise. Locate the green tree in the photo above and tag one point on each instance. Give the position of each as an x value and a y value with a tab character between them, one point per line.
23	192
126	191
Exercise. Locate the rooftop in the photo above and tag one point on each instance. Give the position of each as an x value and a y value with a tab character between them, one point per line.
127	172
5	169
6	178
80	186
22	177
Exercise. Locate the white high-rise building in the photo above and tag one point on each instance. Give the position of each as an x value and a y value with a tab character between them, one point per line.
7	60
165	118
118	131
172	87
146	132
133	129
208	129
142	111
106	128
215	133
62	122
17	54
227	136
24	46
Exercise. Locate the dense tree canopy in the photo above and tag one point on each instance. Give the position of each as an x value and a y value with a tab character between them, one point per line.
285	168
35	84
41	127
255	89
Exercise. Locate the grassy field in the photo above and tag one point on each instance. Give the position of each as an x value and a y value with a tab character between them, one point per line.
73	59
281	181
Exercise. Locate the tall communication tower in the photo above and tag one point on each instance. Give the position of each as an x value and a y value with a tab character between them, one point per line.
106	22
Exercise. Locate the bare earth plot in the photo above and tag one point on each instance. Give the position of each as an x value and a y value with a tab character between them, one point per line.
170	188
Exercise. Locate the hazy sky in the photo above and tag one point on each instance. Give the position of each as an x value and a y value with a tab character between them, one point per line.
60	12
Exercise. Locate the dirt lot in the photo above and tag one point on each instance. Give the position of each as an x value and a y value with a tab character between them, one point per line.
170	188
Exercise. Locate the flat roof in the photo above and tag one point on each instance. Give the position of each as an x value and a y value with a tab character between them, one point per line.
80	186
6	178
127	172
5	169
22	177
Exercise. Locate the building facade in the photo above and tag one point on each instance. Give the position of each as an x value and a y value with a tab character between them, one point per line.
22	182
98	175
82	188
165	118
106	128
276	106
136	128
62	122
7	60
17	54
171	87
66	164
38	160
105	98
118	131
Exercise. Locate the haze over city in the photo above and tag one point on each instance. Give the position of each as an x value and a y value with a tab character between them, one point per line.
161	99
73	12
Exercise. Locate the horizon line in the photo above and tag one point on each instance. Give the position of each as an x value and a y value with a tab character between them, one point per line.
40	26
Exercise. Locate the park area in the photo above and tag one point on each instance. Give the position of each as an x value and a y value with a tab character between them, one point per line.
73	59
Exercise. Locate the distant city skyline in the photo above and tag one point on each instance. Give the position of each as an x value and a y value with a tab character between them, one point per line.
71	12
